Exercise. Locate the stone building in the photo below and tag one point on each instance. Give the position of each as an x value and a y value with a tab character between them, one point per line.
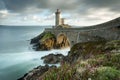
57	20
60	22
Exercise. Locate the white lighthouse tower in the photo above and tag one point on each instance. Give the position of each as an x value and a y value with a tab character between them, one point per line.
58	19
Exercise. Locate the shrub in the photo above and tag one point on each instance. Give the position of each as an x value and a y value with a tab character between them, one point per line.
64	72
106	73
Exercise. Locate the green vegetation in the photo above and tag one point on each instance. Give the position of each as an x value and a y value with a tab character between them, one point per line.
95	61
88	48
115	44
94	48
106	73
101	67
99	60
47	35
65	72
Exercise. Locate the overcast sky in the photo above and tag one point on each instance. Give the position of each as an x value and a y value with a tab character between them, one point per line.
41	12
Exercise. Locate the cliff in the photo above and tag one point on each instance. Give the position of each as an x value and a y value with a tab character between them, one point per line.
44	41
47	41
97	60
94	60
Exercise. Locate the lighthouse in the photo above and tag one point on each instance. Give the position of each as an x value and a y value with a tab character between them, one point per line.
58	19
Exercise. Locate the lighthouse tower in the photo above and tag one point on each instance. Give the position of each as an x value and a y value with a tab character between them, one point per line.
58	19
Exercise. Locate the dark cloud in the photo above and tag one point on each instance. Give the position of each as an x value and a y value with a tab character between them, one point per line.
71	5
33	5
111	4
83	9
2	5
101	3
19	5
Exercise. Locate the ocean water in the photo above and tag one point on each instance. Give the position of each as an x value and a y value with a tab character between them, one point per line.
16	54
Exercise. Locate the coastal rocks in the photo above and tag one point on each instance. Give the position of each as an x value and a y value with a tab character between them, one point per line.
36	73
45	41
53	58
89	60
94	60
48	41
46	44
62	41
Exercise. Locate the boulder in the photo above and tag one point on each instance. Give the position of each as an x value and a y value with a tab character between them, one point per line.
36	72
53	58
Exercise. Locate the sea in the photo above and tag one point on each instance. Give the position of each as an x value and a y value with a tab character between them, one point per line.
16	54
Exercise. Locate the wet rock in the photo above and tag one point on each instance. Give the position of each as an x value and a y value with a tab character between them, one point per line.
53	58
36	73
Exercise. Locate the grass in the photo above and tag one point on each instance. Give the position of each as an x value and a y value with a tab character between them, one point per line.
95	60
106	73
101	67
102	63
87	48
47	35
94	47
64	72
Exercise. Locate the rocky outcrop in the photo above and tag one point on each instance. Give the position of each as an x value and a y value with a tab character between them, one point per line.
86	50
47	41
53	58
36	73
95	60
44	41
62	41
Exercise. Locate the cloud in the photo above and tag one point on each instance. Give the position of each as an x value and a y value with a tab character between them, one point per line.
71	5
77	11
111	4
38	5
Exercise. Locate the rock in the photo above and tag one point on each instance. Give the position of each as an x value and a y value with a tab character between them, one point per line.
47	41
44	41
36	39
53	58
36	72
89	60
62	41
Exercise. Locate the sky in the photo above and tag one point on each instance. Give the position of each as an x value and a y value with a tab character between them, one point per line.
42	12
